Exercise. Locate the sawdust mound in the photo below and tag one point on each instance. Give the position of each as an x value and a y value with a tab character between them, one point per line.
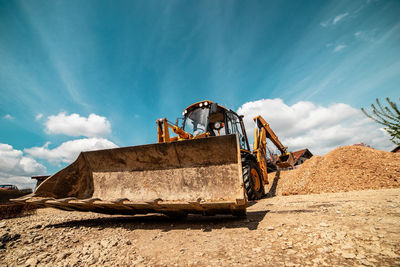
347	168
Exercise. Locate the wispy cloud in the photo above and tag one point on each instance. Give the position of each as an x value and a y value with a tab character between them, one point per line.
367	36
339	48
62	67
324	24
335	20
340	17
8	117
365	79
38	116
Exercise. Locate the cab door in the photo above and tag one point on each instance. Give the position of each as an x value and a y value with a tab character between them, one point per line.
233	126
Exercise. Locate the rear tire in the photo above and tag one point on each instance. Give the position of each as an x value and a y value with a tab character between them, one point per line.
252	179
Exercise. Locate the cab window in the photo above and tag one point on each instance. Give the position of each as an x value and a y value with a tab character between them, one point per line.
233	127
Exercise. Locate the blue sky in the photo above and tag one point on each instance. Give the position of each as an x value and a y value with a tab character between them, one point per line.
131	62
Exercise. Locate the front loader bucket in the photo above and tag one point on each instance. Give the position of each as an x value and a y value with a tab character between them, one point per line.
194	176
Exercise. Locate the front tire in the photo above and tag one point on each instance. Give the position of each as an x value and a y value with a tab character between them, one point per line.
252	179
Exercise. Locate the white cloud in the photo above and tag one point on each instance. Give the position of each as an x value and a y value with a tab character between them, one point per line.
22	182
75	125
324	24
319	128
38	116
340	17
8	117
15	168
339	48
368	36
69	151
334	20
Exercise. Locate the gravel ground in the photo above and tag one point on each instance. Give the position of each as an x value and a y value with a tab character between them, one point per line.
352	228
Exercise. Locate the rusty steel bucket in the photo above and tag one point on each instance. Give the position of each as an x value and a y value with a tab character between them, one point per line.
285	161
194	176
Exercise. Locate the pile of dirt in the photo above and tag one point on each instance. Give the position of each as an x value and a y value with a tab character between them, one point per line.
346	168
13	210
6	195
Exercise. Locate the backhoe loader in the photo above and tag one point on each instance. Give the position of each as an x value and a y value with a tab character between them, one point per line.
207	168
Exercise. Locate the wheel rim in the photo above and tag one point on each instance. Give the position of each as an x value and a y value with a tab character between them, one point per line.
256	179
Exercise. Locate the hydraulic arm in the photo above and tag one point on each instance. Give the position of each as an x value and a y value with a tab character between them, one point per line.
163	127
262	132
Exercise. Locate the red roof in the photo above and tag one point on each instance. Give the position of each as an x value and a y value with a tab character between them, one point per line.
396	149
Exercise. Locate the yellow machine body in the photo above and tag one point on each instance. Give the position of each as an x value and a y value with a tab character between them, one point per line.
207	169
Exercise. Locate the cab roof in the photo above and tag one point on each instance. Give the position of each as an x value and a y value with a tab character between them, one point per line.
201	103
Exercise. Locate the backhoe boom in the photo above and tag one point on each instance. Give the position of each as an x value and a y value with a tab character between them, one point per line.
262	132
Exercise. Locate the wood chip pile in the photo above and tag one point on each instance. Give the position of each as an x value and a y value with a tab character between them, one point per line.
347	168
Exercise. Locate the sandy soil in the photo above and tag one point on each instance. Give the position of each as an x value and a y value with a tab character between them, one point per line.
346	168
352	228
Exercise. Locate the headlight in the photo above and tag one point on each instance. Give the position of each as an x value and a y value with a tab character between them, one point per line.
217	125
205	103
201	104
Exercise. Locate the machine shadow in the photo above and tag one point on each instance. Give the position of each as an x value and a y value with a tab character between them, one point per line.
272	190
165	223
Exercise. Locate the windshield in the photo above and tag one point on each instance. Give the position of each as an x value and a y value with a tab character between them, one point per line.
196	121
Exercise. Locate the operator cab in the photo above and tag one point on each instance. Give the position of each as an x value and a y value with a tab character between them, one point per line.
208	117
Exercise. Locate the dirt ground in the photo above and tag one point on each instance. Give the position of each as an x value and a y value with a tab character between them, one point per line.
351	228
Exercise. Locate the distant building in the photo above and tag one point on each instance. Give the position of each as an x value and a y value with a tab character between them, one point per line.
362	144
396	150
301	156
40	179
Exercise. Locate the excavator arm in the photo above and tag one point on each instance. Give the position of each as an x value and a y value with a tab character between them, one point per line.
269	133
262	132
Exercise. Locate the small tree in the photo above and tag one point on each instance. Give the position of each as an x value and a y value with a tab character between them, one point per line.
385	116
